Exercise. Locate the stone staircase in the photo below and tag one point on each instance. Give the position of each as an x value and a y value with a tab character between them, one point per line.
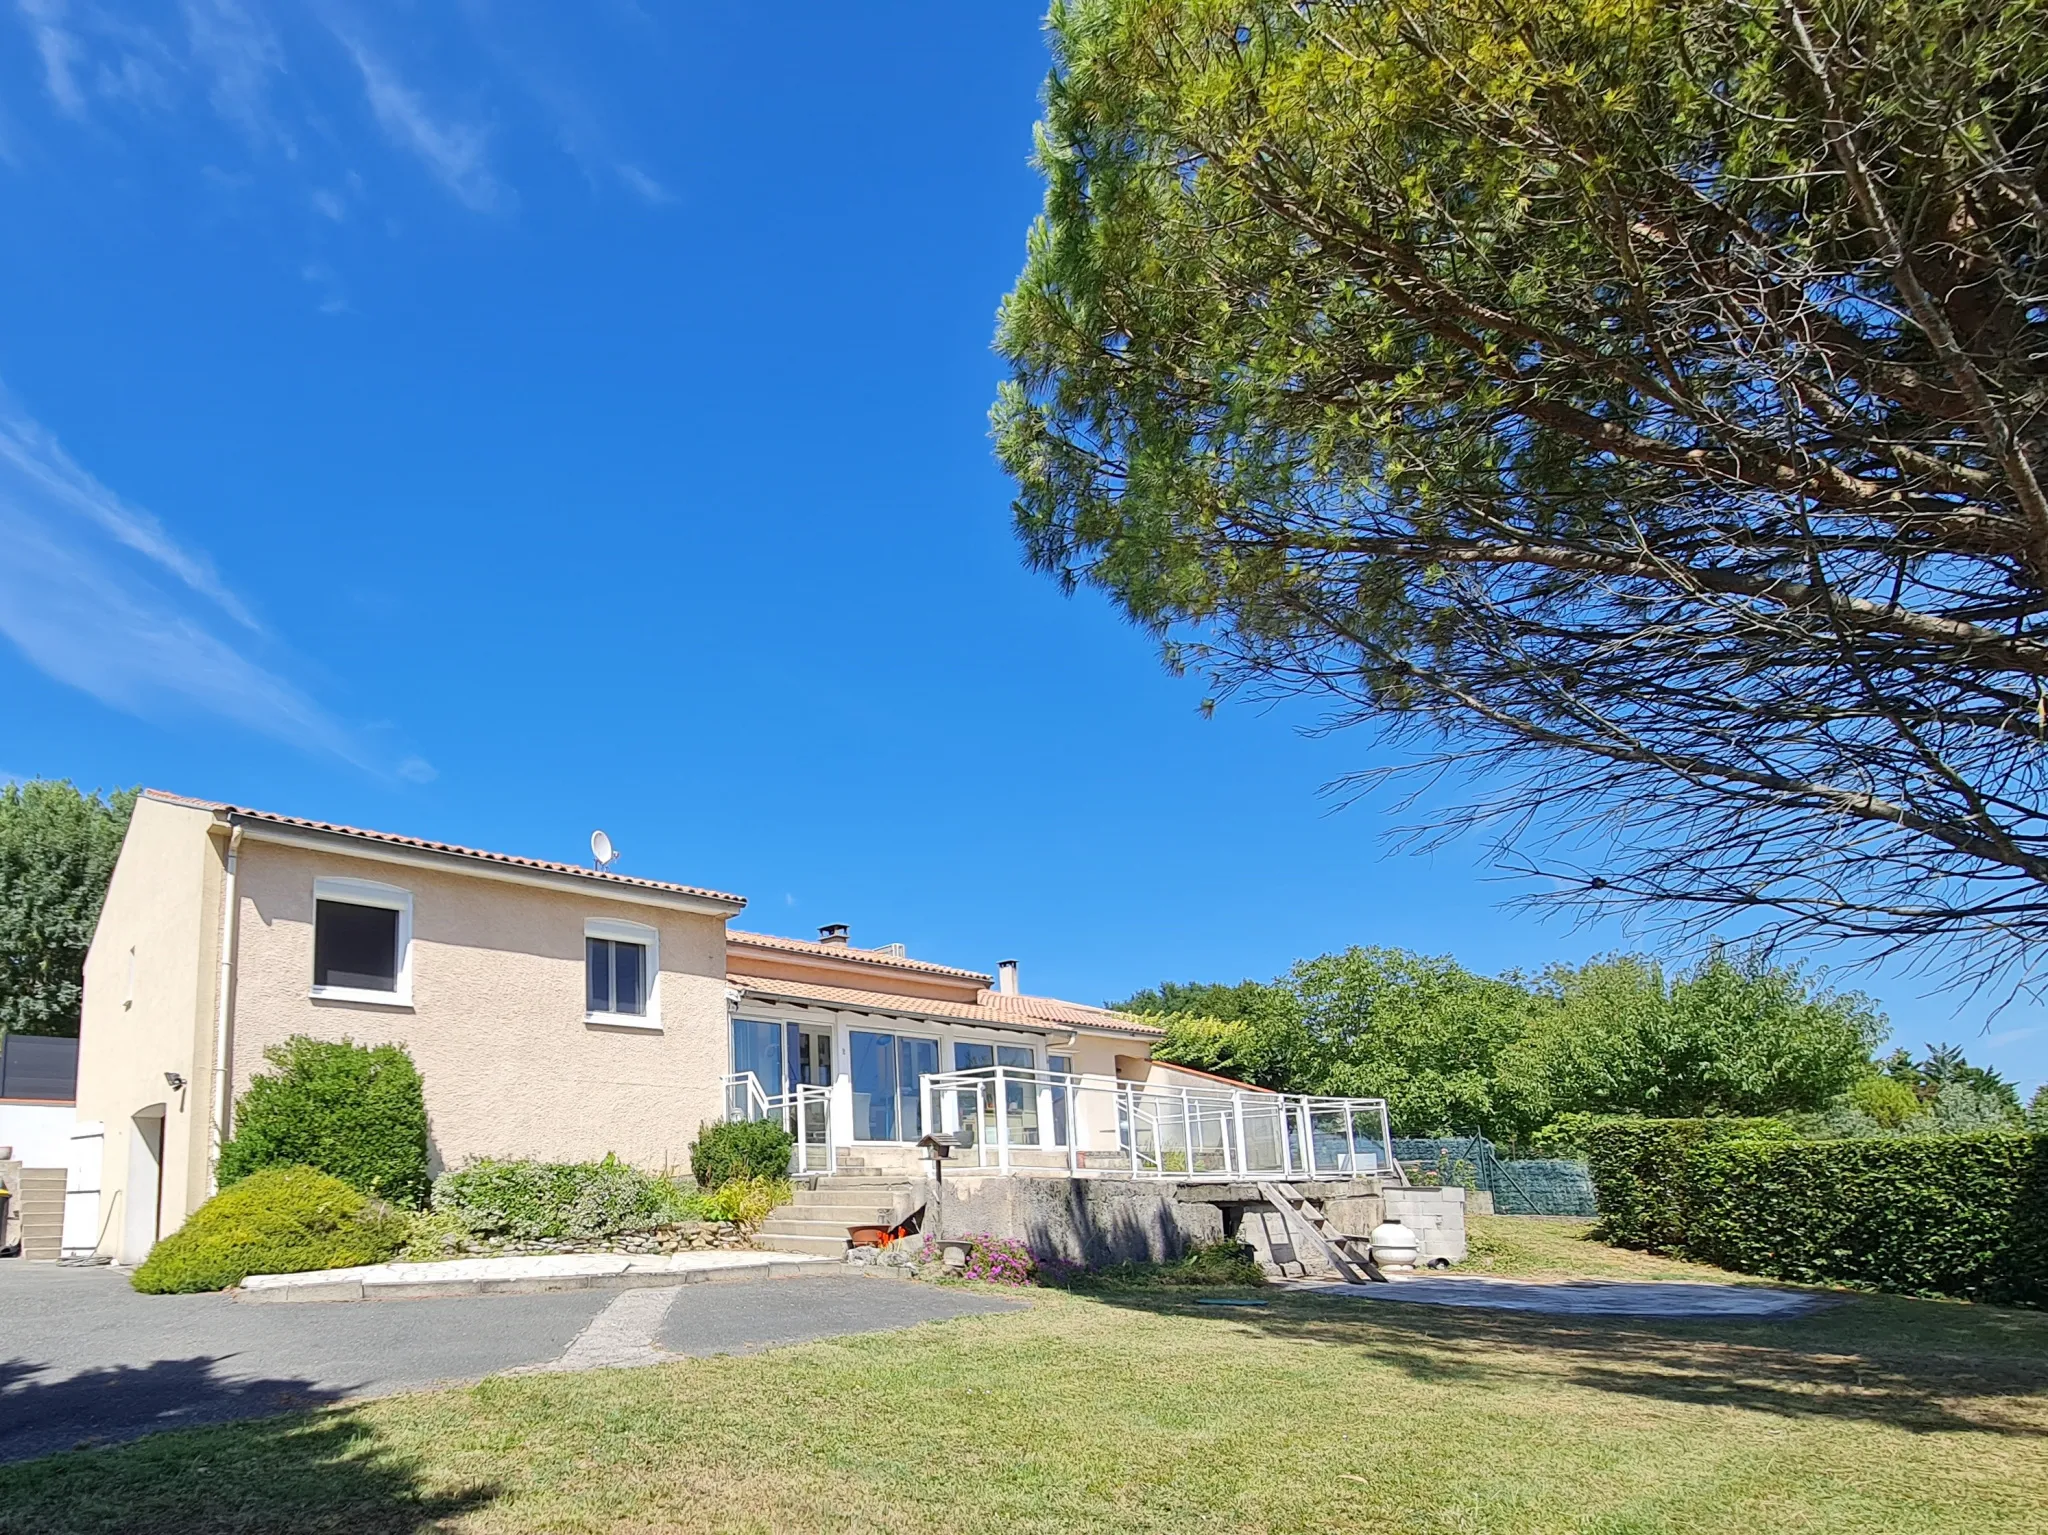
816	1221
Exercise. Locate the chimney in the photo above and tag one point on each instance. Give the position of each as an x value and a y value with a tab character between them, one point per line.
833	932
1006	977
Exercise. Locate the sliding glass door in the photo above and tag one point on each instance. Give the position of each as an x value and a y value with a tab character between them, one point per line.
888	1072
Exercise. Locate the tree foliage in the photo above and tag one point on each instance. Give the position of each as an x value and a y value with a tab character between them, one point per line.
357	1112
1636	400
1452	1051
57	852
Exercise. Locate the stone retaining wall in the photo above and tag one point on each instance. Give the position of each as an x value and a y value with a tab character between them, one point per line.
687	1236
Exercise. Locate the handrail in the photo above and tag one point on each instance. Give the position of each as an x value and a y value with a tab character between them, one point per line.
1157	1131
806	1108
1036	1120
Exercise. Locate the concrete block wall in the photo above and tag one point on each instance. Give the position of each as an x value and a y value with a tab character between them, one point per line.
1099	1221
1095	1221
1437	1216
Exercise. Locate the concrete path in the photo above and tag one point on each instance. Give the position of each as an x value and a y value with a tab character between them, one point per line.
85	1360
526	1276
1675	1299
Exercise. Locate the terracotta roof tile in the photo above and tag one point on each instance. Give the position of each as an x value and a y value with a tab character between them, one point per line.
848	951
456	850
1044	1012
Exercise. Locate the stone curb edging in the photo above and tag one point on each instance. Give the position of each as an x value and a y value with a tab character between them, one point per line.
525	1276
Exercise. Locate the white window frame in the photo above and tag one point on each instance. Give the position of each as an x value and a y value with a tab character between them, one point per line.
648	938
368	892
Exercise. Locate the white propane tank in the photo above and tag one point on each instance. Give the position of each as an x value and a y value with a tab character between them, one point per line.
1394	1246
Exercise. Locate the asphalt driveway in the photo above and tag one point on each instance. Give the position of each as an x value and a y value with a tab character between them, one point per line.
86	1360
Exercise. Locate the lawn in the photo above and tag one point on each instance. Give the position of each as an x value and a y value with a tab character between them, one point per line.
1564	1247
1135	1411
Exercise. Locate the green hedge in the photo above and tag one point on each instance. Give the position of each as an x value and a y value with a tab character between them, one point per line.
740	1148
1962	1215
283	1220
356	1111
1639	1172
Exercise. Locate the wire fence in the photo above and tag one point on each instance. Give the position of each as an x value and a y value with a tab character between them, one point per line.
1519	1186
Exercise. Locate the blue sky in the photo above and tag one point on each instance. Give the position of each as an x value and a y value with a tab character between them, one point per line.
492	421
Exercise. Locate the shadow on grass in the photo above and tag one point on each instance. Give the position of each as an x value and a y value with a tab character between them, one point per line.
1870	1359
326	1471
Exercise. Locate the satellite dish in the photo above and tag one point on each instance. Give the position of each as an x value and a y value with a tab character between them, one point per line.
601	849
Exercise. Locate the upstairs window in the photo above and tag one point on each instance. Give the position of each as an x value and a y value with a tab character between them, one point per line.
621	964
362	941
618	976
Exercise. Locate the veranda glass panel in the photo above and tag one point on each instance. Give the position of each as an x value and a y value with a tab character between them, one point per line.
873	1068
1062	1065
916	1059
1020	1097
967	1057
757	1047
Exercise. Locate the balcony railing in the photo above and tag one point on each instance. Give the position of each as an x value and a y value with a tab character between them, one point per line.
804	1111
1028	1120
1049	1121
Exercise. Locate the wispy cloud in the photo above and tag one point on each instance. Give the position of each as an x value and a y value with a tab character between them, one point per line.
97	594
240	51
59	49
457	153
644	186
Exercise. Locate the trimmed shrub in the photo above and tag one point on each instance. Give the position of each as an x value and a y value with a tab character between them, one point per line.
1963	1215
740	1148
356	1111
535	1201
1638	1171
282	1220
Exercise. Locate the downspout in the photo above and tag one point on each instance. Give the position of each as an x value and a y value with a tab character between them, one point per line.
223	989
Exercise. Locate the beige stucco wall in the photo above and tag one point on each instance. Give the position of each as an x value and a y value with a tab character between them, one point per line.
496	1024
163	907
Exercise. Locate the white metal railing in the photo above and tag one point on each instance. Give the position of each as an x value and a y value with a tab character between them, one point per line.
1046	1119
805	1111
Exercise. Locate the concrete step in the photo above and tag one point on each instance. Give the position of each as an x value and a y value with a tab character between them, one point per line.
846	1214
810	1246
785	1224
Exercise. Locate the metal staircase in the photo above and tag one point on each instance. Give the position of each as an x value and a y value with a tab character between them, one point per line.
1348	1255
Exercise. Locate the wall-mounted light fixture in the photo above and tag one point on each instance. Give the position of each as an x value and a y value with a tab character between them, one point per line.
177	1082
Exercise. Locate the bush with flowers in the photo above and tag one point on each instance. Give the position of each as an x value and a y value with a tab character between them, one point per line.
995	1260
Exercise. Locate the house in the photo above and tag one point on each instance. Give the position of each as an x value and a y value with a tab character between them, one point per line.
566	1013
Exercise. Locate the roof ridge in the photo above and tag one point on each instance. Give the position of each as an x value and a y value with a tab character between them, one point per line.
849	951
453	849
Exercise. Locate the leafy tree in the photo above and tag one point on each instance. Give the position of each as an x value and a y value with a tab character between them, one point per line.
1945	1066
1635	398
1735	1035
1424	1033
57	852
1452	1051
1204	999
1252	1031
2037	1110
1888	1102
